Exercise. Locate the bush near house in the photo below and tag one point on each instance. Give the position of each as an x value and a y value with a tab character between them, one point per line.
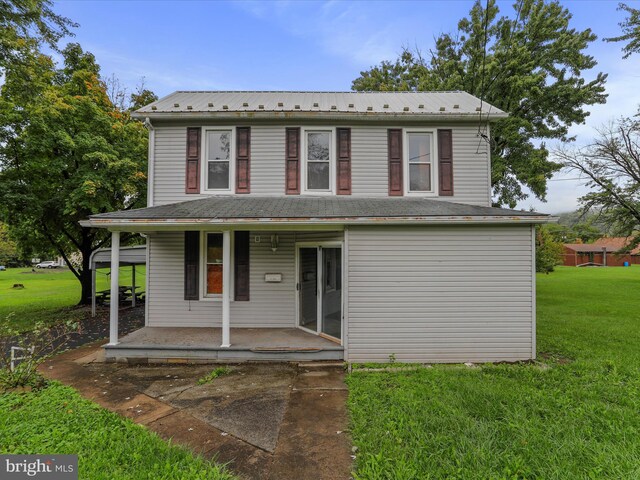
573	414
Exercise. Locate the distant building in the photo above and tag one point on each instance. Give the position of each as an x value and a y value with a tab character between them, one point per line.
601	252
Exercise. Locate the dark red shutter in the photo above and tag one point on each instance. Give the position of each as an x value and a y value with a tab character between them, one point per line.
243	160
241	266
445	162
344	161
192	183
191	265
292	154
395	162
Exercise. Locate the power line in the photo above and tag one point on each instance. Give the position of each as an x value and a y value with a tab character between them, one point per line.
483	135
509	44
484	60
565	179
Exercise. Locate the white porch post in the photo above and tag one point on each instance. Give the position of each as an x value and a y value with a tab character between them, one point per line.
226	287
114	302
133	285
93	291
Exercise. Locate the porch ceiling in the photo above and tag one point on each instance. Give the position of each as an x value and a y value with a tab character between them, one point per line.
309	210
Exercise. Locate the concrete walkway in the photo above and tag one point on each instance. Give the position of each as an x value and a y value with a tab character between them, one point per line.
267	421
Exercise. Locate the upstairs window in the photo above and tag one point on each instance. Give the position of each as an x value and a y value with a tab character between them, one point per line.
218	165
420	160
318	161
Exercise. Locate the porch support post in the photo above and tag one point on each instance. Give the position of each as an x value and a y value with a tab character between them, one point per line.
226	288
114	302
133	285
93	291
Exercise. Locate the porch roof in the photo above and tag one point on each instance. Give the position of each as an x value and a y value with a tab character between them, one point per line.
311	210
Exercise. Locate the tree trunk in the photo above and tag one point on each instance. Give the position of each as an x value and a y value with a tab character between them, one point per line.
85	276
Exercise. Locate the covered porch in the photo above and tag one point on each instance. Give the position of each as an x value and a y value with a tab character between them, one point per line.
201	344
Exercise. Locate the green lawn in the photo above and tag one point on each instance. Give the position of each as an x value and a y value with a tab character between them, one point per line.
576	416
57	420
48	295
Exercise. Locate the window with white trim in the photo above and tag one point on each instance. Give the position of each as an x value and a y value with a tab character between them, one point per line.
218	165
213	264
318	155
420	162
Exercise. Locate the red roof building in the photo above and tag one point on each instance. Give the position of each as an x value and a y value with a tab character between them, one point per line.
602	252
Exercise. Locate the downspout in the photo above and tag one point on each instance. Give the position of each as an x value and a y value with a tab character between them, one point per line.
151	160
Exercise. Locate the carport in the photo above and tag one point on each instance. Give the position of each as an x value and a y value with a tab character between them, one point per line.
129	256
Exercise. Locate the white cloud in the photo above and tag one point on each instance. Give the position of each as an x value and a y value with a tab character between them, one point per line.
341	29
130	71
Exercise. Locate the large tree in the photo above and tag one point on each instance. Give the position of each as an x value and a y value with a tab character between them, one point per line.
27	24
610	167
630	31
66	152
530	65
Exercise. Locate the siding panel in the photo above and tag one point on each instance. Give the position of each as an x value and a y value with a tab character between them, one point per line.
270	305
369	163
440	294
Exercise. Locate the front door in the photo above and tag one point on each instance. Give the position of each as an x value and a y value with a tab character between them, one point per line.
320	290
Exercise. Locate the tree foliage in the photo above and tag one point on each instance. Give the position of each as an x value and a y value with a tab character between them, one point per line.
26	24
8	248
66	152
548	250
532	68
611	168
583	232
630	31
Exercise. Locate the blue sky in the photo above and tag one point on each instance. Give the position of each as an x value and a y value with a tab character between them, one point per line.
306	45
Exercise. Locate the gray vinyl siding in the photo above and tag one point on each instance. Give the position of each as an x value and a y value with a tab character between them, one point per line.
369	163
270	305
440	294
169	165
471	177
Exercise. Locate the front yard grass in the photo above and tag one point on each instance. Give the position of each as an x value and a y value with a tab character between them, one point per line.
57	420
576	414
49	296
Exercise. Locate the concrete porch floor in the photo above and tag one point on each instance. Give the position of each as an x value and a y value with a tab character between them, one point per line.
157	344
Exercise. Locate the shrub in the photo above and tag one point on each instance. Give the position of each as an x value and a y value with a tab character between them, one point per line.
548	251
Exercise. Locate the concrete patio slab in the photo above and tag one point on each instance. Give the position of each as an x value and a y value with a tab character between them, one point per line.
266	420
329	378
313	438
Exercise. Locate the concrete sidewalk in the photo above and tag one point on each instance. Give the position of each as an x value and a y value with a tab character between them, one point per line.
267	421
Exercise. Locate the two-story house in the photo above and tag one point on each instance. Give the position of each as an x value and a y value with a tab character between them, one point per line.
327	225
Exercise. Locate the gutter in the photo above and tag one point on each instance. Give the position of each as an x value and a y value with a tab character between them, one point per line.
226	222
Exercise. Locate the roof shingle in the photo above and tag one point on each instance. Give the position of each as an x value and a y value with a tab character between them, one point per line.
306	207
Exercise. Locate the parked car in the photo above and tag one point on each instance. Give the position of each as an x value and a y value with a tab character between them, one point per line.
48	264
2	268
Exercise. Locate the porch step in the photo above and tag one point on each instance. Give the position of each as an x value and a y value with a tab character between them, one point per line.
320	364
286	349
200	355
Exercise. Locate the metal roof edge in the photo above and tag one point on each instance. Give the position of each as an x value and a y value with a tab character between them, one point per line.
286	115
